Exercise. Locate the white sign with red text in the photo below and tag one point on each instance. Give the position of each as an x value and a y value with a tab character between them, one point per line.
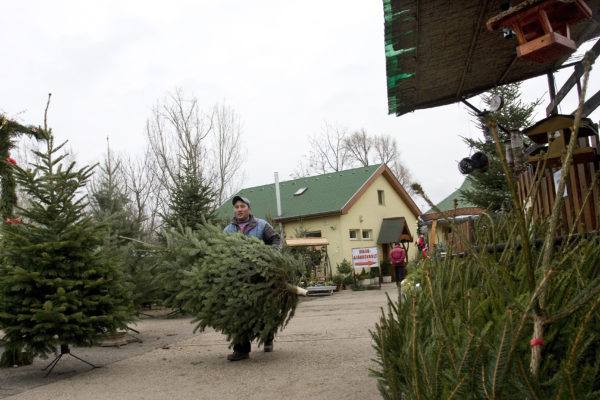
365	257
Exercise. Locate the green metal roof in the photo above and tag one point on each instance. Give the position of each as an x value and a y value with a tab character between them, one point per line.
448	203
394	230
324	194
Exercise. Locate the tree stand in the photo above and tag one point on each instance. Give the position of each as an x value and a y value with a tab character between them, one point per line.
64	349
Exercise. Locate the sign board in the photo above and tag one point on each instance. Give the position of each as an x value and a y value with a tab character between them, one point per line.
365	257
557	175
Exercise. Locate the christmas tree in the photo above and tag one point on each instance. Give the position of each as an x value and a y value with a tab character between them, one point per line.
110	203
111	207
9	130
489	189
235	284
190	205
191	200
56	287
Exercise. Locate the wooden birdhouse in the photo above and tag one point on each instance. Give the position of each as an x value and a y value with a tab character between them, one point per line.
582	191
553	135
542	27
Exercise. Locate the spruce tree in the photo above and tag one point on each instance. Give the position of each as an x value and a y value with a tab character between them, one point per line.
110	204
111	207
235	284
190	206
489	187
191	201
56	287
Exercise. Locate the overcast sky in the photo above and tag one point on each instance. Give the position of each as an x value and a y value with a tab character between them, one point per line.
285	67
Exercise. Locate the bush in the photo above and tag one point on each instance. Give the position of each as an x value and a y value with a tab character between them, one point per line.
345	268
364	274
345	273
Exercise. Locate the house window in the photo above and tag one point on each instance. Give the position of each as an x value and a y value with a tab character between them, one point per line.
353	234
300	191
380	197
366	234
313	234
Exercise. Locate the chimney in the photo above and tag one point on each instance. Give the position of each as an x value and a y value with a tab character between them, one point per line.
277	196
278	199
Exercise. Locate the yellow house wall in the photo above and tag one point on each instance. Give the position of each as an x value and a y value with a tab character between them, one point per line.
295	229
365	214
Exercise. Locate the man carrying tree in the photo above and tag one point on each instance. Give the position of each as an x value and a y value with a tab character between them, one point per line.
243	221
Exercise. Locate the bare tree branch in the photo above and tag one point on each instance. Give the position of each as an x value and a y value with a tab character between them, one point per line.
228	151
177	135
140	183
358	146
386	149
327	150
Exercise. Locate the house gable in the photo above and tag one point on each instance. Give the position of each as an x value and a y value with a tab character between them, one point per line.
386	173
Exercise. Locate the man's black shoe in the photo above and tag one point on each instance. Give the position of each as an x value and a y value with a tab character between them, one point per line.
237	356
268	347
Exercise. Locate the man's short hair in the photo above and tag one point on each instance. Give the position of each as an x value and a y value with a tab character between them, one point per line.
242	199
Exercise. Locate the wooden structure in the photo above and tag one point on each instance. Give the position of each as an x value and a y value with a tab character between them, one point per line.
581	207
435	58
316	244
543	27
440	52
441	236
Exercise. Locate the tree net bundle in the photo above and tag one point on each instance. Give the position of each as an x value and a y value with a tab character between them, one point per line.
234	284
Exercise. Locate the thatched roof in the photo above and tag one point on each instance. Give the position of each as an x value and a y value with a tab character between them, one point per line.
439	52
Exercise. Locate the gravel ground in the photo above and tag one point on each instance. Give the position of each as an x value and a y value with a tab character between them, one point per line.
324	353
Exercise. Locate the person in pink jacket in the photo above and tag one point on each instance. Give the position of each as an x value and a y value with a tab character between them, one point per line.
398	260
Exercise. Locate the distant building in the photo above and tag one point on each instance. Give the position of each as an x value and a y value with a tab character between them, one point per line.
356	208
440	235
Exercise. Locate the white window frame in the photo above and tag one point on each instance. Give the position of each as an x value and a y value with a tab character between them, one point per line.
368	232
356	232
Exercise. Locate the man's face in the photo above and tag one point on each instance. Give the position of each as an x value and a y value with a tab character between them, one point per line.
241	211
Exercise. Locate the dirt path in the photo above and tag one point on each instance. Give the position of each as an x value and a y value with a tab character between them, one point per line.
324	353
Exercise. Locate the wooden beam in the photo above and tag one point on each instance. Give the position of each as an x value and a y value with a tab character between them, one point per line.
482	9
551	86
506	71
571	81
590	105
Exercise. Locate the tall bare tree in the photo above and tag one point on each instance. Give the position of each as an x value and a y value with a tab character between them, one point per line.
334	149
142	184
184	140
177	134
227	149
328	152
358	147
386	149
403	174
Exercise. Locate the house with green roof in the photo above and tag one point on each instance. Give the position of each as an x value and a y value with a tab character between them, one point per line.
349	208
455	207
